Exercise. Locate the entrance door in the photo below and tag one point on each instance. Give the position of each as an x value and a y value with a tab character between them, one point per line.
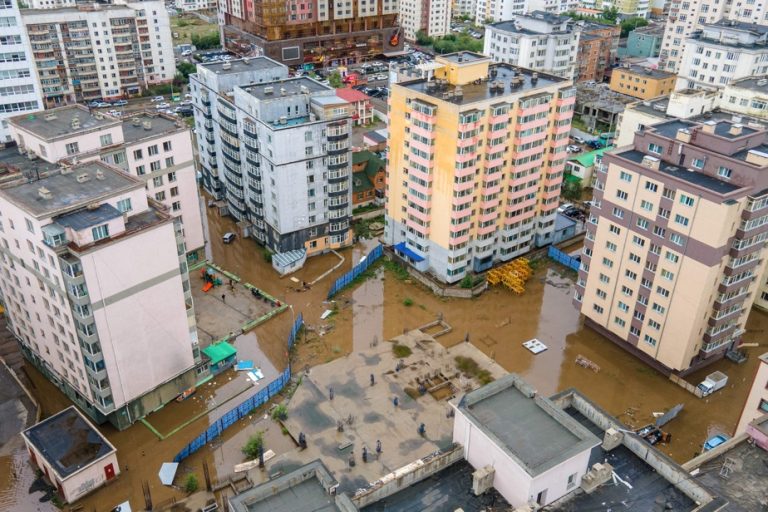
541	499
109	471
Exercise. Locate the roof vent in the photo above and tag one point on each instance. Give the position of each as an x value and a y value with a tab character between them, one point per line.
283	120
31	155
75	123
736	129
304	89
282	91
100	174
709	127
147	125
762	82
136	121
651	162
83	177
246	61
50	116
269	90
44	193
226	65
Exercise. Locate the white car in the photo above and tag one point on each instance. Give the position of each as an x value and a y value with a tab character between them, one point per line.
564	207
162	106
186	53
158	98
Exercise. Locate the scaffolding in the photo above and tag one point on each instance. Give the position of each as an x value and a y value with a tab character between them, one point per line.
513	275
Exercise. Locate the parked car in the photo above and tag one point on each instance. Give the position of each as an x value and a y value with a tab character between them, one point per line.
573	149
95	103
595	144
563	207
590	204
158	99
229	237
119	103
186	52
114	113
102	104
162	106
577	139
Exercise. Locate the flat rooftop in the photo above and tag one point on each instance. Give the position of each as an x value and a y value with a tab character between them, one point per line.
68	442
449	489
461	57
693	177
646	72
474	92
757	84
87	217
57	122
159	125
12	162
240	65
530	428
290	85
669	129
66	192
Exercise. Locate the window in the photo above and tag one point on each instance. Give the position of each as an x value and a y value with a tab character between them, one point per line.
683	221
763	405
73	148
618	213
138	154
653	324
662	291
658	308
634	257
176	206
638	241
646	205
157	181
670	256
160	196
625	176
174	191
724	172
604	278
626	290
676	239
698	163
634	330
631	275
622	195
600	293
611	246
169	161
30	226
686	200
152	150
154	166
649	340
642	223
616	230
618	321
597	308
655	148
623	307
668	193
651	186
124	205
607	262
140	170
666	274
106	140
659	231
167	145
171	176
100	232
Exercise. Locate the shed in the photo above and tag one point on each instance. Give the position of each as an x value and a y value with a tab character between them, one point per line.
222	356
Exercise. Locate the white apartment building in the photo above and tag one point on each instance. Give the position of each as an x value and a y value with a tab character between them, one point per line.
539	41
721	52
154	148
503	10
96	287
684	18
196	5
19	88
282	155
464	7
433	17
94	51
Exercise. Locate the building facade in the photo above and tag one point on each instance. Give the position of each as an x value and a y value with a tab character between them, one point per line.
96	51
281	152
644	42
432	17
196	5
676	242
96	288
539	41
501	184
756	404
492	11
320	33
747	96
685	17
598	50
19	87
641	82
155	148
720	52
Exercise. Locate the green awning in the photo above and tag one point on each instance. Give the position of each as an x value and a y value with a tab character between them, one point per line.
218	352
570	178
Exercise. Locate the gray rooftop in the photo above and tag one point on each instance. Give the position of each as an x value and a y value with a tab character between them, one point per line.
518	25
160	124
54	123
464	57
240	65
68	442
11	162
669	129
757	84
291	86
86	218
563	222
473	92
532	430
644	71
67	193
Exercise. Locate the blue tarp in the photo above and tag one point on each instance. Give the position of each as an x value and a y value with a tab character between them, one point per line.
405	251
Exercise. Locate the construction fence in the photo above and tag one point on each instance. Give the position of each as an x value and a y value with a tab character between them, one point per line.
358	269
564	259
244	408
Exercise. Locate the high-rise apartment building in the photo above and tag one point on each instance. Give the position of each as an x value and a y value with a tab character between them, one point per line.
676	243
684	18
432	17
155	148
94	51
598	50
196	5
95	286
476	159
19	88
723	51
503	10
277	152
322	33
464	8
626	8
539	41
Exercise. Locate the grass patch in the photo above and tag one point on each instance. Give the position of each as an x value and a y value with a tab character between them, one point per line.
366	208
401	351
470	367
188	26
362	227
408	302
400	272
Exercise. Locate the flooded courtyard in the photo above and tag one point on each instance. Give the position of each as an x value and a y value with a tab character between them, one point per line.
380	308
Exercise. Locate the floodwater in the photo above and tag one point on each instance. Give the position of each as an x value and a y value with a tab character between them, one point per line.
498	323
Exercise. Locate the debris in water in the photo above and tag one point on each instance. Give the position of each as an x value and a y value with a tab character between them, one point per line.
535	346
586	363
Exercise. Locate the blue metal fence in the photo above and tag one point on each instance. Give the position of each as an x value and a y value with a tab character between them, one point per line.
244	408
562	258
358	269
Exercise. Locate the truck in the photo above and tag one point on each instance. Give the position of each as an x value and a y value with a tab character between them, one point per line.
714	381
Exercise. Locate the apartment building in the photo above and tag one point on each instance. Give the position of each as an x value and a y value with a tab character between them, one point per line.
50	4
323	33
598	50
283	159
96	289
677	241
747	96
685	17
19	88
756	404
432	17
501	183
539	41
495	11
155	148
94	51
464	8
723	51
644	42
196	5
641	82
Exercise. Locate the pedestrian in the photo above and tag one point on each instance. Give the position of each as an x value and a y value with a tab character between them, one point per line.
396	401
373	381
378	447
365	454
330	393
224	298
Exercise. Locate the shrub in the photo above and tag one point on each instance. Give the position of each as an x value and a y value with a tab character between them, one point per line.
254	445
401	351
280	412
408	302
190	484
466	282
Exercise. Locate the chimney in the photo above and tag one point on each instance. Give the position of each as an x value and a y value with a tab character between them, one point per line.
651	162
83	177
756	157
282	91
75	123
736	129
99	174
44	193
269	90
147	125
709	127
683	135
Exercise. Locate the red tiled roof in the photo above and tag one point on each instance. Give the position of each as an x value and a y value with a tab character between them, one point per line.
351	95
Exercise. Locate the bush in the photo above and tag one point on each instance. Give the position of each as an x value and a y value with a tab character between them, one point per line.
254	445
280	412
335	81
182	23
190	484
408	302
206	41
401	351
466	282
571	190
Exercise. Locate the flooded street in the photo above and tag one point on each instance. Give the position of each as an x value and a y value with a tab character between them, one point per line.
379	308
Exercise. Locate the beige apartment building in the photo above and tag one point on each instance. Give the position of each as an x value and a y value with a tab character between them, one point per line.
676	242
756	404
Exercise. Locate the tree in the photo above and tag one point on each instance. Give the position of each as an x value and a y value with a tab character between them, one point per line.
280	412
571	189
335	80
423	39
206	41
190	484
254	445
610	14
630	24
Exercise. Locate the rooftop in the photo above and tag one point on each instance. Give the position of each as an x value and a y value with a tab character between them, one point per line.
11	161
57	122
351	95
218	352
588	159
485	90
644	71
739	25
66	192
286	87
87	217
135	129
464	57
68	442
518	24
757	84
240	65
563	222
530	428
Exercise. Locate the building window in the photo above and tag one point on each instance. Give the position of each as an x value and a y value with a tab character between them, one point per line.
171	176
152	150
724	172
647	206
622	195
157	181
106	140
167	145
655	148
642	223
616	230
683	221
73	148
176	206
676	239
140	170
597	308
625	176
618	213
698	163
649	340
686	200
651	186
100	232
621	323
124	205
169	162
138	154
674	258
154	166
666	274
763	405
160	196
623	307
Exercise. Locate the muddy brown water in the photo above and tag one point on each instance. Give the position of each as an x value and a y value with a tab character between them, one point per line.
498	323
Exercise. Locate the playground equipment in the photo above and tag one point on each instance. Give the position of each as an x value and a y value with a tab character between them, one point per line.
209	278
513	275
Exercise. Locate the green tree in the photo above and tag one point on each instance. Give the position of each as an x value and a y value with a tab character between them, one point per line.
206	41
335	80
190	484
610	14
423	39
630	24
571	189
280	412
254	445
